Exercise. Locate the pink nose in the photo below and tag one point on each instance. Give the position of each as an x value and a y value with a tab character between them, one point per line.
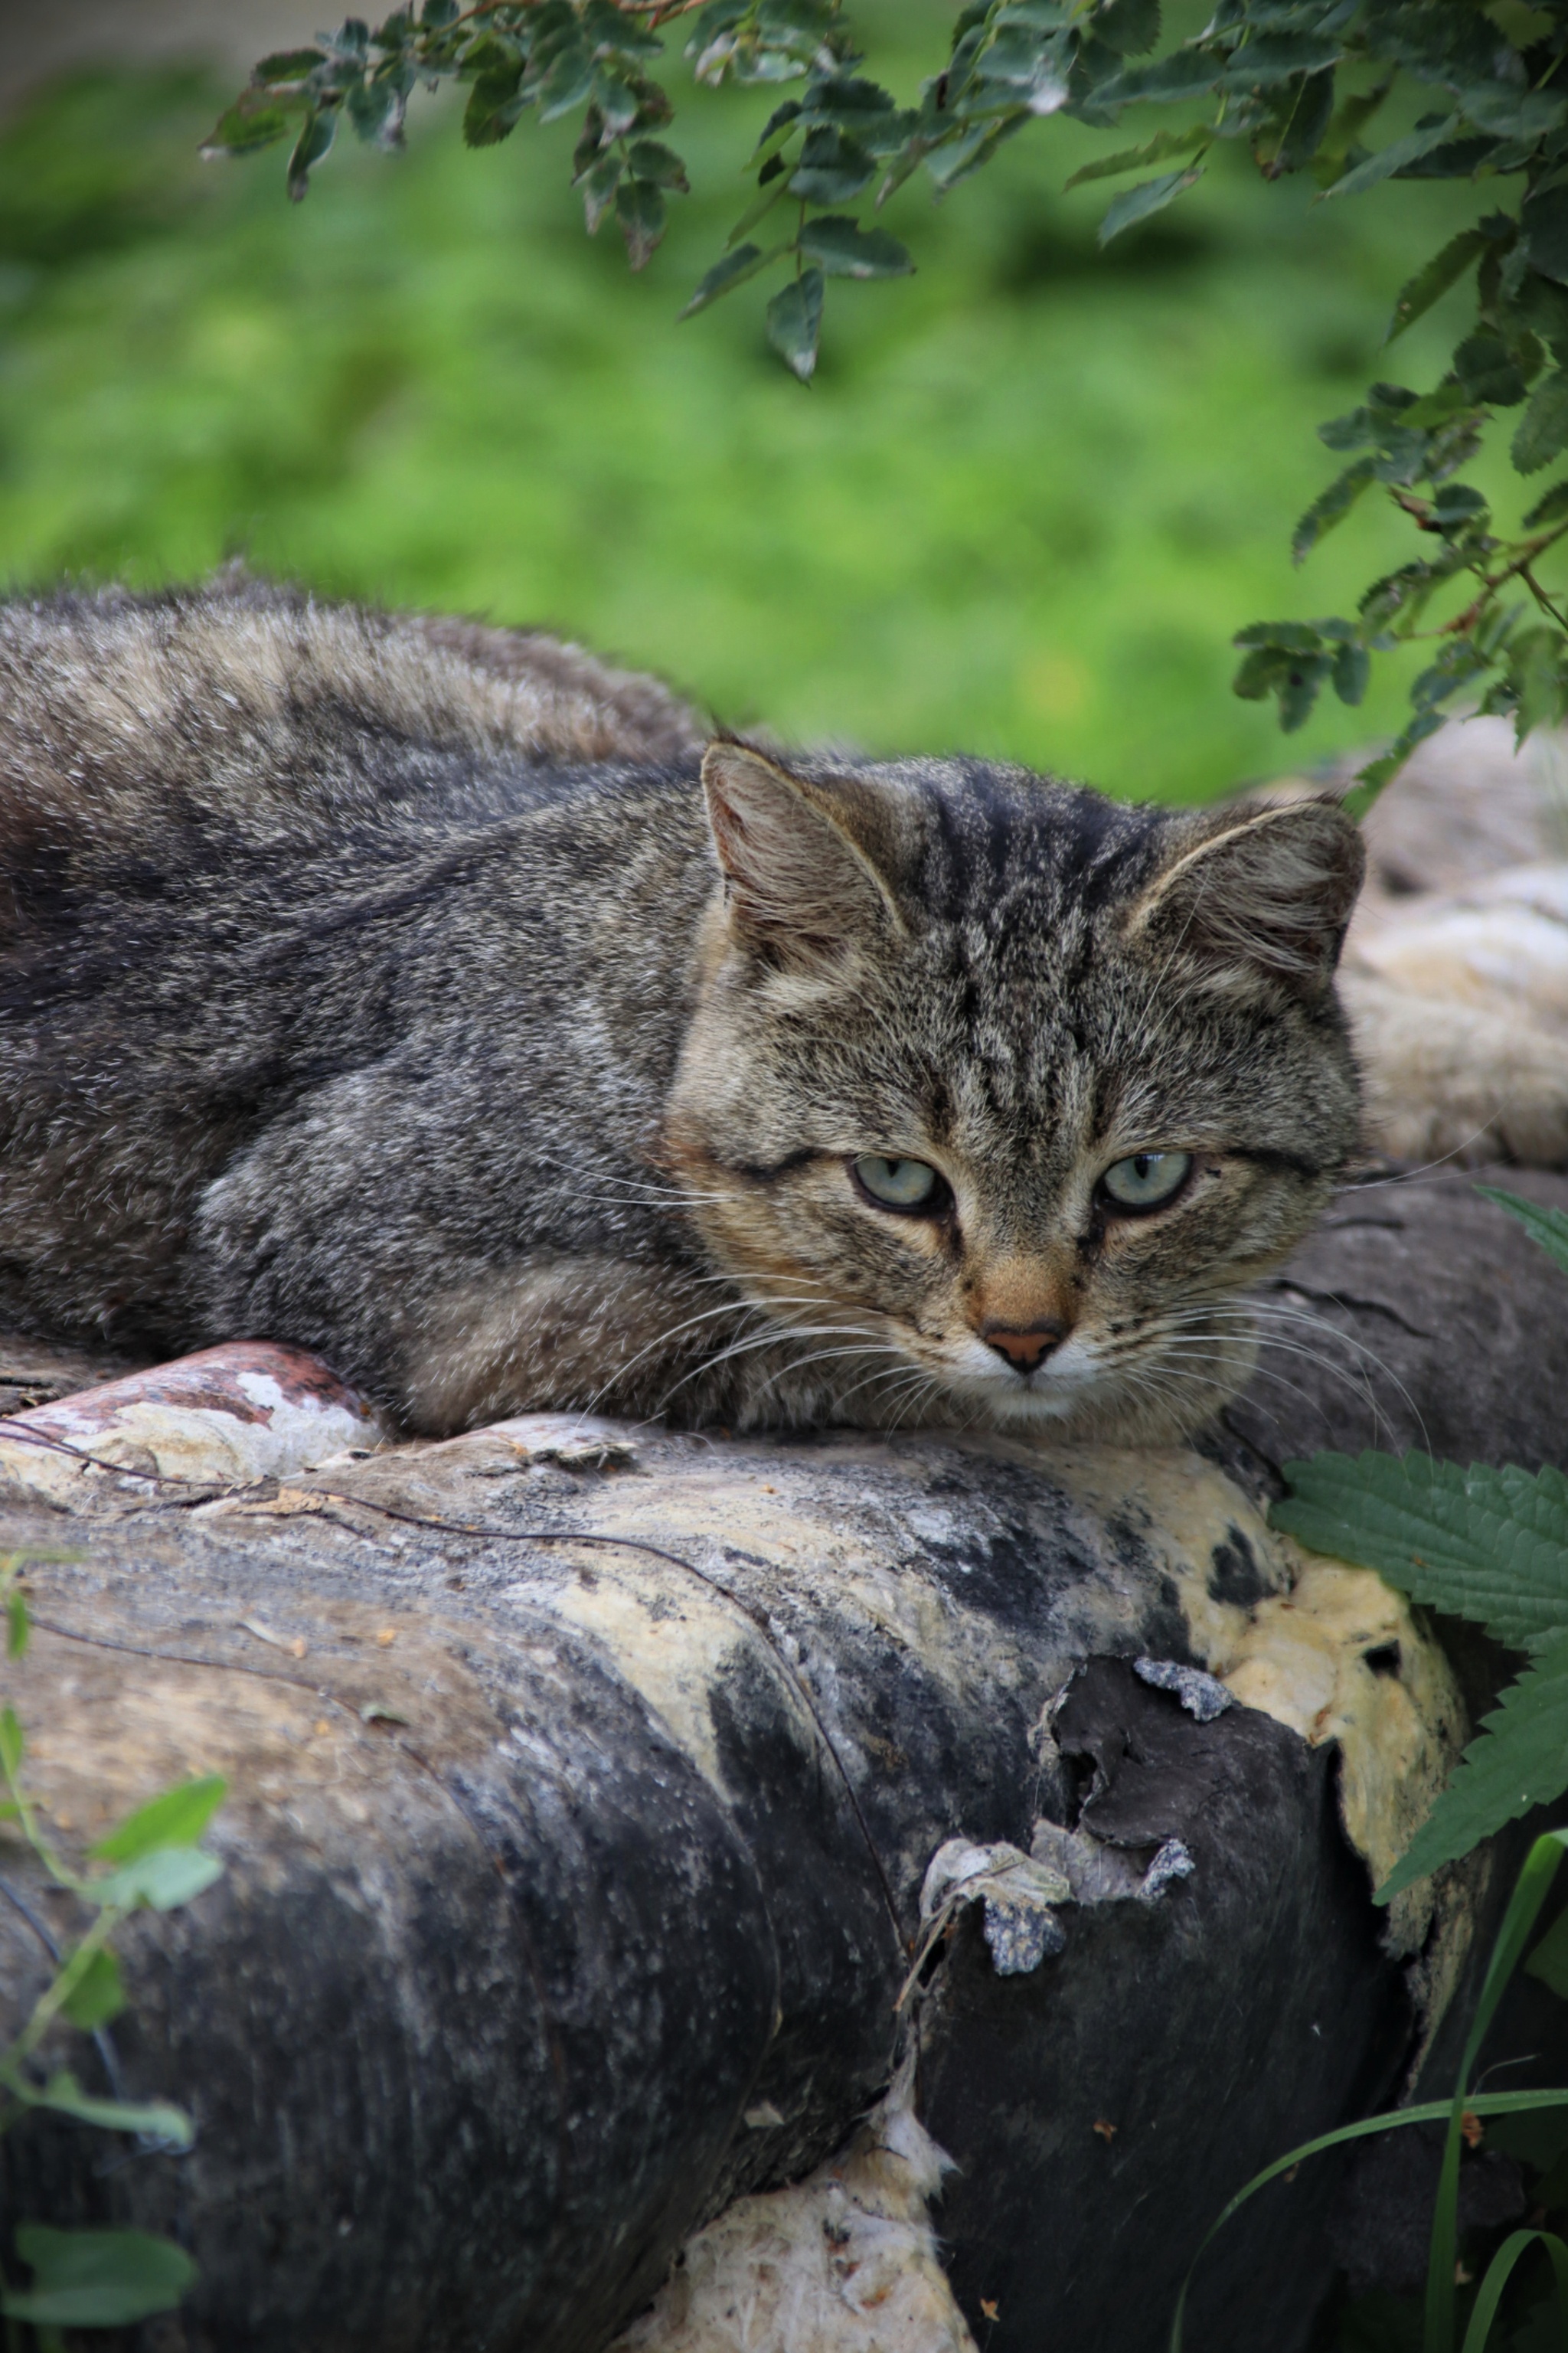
1028	1347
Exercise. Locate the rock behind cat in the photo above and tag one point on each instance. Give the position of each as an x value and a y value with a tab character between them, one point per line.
427	997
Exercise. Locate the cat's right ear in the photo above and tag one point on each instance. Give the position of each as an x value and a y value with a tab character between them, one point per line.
799	858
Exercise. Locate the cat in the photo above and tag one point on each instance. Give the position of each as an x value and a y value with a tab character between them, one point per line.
437	999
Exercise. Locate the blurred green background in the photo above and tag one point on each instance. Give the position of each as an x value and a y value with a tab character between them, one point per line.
1029	498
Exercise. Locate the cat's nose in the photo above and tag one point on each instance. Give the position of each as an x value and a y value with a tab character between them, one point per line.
1026	1347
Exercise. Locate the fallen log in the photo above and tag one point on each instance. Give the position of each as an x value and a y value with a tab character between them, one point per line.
611	1812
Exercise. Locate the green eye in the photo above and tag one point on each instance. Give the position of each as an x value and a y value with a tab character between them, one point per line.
898	1184
1147	1179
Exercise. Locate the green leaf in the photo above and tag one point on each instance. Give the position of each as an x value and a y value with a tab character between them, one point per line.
1519	1759
733	272
1370	780
1353	667
98	1995
1153	151
1393	158
96	2279
16	1627
1188	73
599	185
247	126
1547	1227
1149	196
287	64
1330	506
1484	1543
794	322
1535	681
175	1817
1550	509
156	2119
567	83
844	250
316	137
1549	1962
165	1878
1543	428
493	108
1490	371
1129	26
650	159
12	1743
1432	281
639	208
1544	223
832	168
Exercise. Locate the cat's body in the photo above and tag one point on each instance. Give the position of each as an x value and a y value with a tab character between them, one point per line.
420	994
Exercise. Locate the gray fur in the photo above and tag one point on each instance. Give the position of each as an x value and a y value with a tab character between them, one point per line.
395	987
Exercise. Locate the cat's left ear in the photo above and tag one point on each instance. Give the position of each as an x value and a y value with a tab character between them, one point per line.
1260	902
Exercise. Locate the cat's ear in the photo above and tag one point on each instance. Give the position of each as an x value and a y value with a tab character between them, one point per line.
803	860
1260	900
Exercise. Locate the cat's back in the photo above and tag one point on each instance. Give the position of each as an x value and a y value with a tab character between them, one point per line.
265	713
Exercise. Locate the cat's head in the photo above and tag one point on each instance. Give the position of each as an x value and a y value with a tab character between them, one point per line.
996	1094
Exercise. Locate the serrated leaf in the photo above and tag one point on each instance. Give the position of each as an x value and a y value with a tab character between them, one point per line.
1432	281
96	2279
1547	1227
246	129
98	1995
1129	26
794	322
1188	73
639	209
175	1817
1543	428
493	108
568	82
844	250
1393	158
831	168
598	186
1148	197
1486	1543
1352	670
287	64
1550	509
315	137
650	159
1153	151
733	272
1519	1759
1330	506
165	1878
1536	688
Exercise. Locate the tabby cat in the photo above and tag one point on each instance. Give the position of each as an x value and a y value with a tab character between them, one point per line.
436	998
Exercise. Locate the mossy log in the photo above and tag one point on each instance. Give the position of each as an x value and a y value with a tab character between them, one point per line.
585	1782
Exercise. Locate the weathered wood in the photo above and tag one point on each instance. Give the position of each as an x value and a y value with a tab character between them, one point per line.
575	1857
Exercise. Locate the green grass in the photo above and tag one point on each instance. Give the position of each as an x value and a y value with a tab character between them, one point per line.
1028	499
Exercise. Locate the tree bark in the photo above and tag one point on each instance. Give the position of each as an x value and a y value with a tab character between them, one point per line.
584	1782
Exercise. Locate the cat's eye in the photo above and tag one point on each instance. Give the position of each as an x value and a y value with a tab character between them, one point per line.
1147	1180
912	1186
